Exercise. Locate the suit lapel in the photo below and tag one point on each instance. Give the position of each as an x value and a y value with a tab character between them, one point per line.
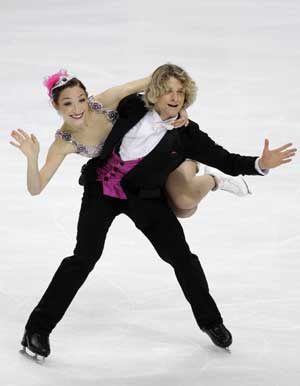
120	128
158	156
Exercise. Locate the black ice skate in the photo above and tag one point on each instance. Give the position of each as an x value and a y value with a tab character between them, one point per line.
37	343
219	335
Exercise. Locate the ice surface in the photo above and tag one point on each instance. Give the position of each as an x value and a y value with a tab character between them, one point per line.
130	324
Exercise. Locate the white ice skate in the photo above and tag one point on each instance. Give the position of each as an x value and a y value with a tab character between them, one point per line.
234	185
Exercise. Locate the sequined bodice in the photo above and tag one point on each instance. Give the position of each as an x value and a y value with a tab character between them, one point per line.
84	150
88	150
98	107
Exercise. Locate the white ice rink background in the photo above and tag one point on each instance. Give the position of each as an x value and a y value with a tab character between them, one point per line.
130	325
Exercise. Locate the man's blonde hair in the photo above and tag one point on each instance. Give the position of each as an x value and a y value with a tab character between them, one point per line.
158	84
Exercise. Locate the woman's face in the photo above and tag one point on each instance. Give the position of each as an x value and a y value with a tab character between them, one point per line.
73	105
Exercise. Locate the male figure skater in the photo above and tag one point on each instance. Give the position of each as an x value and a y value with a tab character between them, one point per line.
128	177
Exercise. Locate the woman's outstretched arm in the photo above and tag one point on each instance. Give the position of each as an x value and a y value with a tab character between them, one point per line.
29	146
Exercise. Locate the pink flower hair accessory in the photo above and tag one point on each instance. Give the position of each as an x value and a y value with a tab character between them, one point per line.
58	79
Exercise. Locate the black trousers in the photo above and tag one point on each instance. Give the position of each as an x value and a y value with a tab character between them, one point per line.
158	223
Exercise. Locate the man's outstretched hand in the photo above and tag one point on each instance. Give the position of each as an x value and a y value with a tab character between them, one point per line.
272	158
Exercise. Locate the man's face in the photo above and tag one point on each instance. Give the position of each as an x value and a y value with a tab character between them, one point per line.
171	102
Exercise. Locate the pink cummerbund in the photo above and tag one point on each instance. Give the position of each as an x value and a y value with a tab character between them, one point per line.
112	173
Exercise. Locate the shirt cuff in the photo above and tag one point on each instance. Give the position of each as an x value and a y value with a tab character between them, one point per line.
263	172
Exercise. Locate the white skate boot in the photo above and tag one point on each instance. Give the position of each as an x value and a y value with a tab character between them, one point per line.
235	185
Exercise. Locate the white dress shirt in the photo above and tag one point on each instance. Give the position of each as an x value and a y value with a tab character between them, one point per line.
144	136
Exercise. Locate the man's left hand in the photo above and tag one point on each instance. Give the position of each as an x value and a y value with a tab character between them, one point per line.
272	158
182	120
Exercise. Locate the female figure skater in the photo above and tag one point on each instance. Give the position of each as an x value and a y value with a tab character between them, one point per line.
87	121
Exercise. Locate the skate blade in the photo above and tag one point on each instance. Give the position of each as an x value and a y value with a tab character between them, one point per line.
39	359
247	186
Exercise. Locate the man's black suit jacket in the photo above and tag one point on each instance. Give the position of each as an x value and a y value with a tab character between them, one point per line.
148	178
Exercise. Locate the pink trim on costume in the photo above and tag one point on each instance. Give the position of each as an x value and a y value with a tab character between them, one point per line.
51	80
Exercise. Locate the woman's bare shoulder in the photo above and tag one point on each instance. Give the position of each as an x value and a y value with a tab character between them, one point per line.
61	147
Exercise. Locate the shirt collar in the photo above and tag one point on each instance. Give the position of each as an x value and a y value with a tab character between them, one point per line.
157	119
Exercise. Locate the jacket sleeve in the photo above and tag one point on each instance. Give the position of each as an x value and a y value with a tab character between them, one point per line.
200	147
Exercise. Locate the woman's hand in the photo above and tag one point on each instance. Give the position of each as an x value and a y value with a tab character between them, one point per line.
272	158
182	120
28	144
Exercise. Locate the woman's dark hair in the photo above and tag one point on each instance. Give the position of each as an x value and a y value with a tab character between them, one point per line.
72	83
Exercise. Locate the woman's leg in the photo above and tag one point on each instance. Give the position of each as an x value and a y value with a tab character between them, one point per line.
185	189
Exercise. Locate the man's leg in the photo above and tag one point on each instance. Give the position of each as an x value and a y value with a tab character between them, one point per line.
96	215
159	224
166	235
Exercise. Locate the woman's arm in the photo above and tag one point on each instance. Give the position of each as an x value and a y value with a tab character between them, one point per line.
29	146
110	98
